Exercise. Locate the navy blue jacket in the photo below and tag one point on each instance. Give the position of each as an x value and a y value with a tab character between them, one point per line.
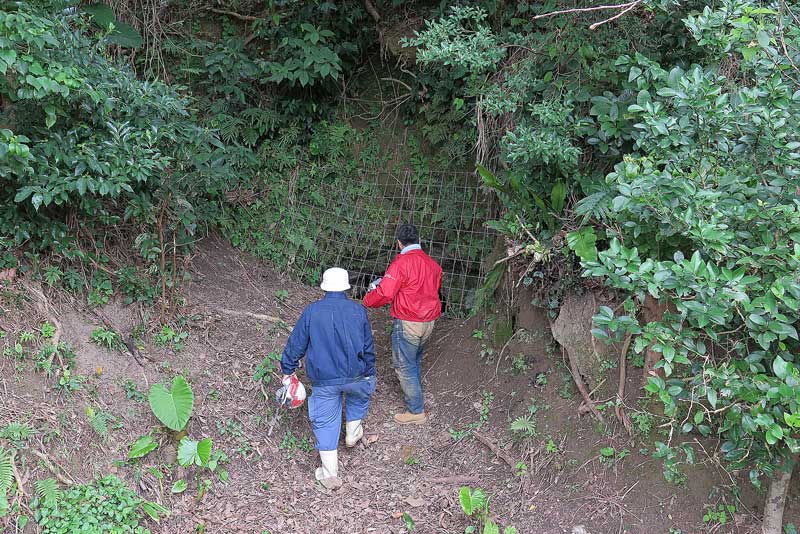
335	336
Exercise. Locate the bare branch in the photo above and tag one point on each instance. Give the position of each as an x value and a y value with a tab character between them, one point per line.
585	9
372	11
235	15
618	15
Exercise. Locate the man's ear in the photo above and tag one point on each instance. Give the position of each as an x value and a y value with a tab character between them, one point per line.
399	245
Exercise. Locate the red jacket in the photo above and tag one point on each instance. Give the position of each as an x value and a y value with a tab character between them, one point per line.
411	284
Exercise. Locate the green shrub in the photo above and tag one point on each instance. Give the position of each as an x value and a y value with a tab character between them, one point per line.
705	218
106	506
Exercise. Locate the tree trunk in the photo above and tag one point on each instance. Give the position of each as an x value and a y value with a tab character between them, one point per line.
776	498
652	311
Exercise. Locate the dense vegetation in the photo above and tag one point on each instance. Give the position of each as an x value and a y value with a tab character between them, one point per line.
655	152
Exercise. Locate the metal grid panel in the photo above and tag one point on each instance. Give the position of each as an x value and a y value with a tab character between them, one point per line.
354	228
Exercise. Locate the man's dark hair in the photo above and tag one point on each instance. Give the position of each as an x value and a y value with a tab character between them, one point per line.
408	234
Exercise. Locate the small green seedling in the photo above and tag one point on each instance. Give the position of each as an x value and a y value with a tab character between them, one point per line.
408	521
108	339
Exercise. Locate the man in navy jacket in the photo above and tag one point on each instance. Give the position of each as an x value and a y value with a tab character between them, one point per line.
335	336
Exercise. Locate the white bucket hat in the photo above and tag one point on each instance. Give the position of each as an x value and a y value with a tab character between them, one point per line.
335	279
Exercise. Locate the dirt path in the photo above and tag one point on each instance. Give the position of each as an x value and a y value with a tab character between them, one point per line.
553	482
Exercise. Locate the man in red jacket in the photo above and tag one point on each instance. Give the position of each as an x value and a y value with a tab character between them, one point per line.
411	284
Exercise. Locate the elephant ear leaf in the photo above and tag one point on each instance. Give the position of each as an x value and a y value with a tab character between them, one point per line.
122	34
191	452
172	407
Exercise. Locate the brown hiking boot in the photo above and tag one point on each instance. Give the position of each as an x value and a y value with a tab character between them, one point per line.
408	418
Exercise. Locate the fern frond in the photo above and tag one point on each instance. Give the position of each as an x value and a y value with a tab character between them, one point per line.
100	424
289	136
99	421
524	425
16	432
6	470
263	120
48	490
229	127
595	206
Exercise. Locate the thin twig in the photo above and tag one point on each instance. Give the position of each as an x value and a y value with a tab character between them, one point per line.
235	15
627	6
500	356
584	10
618	15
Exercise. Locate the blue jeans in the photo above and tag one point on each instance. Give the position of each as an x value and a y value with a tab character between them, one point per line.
325	409
408	345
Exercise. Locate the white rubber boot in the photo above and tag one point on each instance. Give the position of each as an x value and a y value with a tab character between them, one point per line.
328	473
355	431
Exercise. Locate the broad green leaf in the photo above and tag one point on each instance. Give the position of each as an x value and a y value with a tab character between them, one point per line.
763	38
465	499
142	446
698	417
780	367
191	452
488	176
179	486
774	434
490	527
101	14
783	329
792	419
749	52
154	510
478	500
126	36
557	195
712	397
582	242
50	115
172	407
123	34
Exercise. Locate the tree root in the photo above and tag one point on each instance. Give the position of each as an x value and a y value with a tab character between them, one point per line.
49	464
259	316
576	376
619	409
495	449
17	477
372	11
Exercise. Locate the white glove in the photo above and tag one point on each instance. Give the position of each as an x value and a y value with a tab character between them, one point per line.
374	285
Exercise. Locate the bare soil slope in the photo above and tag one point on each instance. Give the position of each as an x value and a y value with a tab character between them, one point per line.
556	481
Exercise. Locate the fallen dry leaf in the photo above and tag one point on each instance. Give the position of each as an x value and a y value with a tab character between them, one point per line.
397	515
407	451
415	502
372	438
8	274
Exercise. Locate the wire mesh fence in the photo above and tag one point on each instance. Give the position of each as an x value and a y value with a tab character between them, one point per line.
352	224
